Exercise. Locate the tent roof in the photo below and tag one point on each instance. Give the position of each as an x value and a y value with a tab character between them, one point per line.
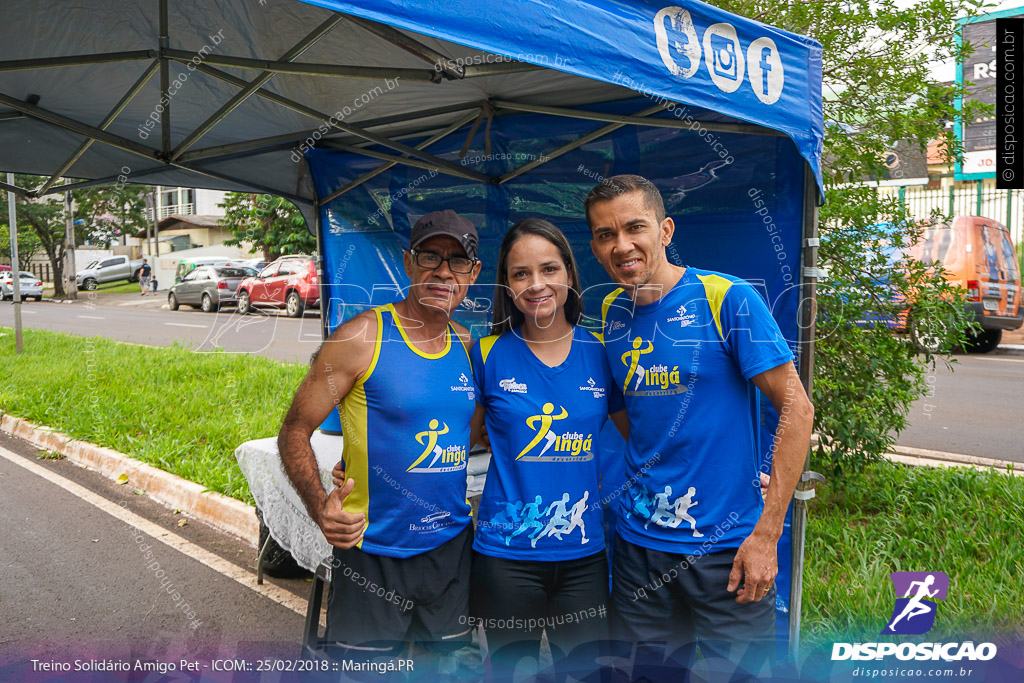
80	81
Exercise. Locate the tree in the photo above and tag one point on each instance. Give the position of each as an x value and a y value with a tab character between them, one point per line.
271	224
28	243
44	217
110	211
878	89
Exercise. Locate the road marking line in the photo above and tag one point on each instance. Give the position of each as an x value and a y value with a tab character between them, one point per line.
185	325
187	548
92	317
1005	360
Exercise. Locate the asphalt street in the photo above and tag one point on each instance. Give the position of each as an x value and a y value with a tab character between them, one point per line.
973	409
77	581
146	320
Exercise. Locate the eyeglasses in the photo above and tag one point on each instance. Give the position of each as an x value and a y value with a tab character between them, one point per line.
432	260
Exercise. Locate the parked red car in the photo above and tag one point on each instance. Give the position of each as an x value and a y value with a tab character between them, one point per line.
290	282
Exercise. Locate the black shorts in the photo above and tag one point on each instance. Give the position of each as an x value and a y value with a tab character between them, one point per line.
376	603
518	600
671	605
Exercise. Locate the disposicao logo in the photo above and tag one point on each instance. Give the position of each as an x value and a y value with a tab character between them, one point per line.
914	614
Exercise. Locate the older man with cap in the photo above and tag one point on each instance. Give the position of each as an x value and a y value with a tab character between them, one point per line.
400	524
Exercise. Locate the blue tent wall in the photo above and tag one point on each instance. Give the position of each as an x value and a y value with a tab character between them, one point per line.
719	225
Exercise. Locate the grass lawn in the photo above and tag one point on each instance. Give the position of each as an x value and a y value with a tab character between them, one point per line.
891	517
119	288
109	287
186	412
182	411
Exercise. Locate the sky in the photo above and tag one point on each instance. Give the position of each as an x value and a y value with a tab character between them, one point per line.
946	70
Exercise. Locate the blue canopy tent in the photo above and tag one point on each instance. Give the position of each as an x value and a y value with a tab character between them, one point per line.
368	115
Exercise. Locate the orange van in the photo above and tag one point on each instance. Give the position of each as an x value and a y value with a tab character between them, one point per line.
979	255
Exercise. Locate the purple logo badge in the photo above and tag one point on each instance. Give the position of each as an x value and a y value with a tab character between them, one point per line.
914	612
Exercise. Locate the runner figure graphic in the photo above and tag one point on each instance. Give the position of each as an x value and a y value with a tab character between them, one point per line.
634	363
545	426
556	521
429	438
531	515
507	518
683	504
641	503
664	509
914	606
576	517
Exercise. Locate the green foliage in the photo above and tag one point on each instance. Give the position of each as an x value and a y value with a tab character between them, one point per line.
890	517
866	374
126	397
110	211
43	218
107	211
878	90
268	223
28	243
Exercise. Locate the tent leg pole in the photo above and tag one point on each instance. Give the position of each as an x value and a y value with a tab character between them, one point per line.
797	578
12	222
325	303
809	260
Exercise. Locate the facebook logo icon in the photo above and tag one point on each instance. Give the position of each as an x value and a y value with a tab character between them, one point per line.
764	64
766	67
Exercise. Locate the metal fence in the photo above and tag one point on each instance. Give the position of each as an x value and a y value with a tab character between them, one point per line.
1005	206
41	271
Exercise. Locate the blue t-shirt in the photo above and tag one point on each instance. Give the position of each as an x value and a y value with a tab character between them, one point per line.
542	500
684	363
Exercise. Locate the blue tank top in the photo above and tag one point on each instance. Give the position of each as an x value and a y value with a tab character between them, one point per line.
542	499
406	425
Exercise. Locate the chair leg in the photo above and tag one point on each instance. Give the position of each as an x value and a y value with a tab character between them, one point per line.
259	561
311	633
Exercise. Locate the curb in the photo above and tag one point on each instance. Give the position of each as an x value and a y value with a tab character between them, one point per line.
223	513
923	456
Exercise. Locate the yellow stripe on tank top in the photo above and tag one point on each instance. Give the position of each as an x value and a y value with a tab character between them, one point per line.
354	426
716	287
485	346
431	356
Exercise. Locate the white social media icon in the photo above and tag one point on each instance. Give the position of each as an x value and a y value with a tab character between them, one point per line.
764	66
723	57
679	37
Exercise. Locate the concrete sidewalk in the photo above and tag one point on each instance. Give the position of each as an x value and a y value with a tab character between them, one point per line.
121	299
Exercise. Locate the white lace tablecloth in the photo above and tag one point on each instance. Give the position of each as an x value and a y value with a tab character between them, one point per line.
284	512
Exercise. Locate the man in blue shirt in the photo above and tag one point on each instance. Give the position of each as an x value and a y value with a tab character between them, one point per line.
688	347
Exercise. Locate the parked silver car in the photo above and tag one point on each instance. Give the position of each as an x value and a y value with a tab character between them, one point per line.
111	269
208	287
31	286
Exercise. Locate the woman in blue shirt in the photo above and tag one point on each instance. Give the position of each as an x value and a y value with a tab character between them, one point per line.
544	390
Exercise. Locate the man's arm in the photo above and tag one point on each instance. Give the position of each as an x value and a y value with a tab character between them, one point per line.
756	562
621	421
342	359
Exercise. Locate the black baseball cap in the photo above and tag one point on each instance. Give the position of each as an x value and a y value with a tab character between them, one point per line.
446	223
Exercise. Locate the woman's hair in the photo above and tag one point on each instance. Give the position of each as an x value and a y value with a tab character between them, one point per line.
506	315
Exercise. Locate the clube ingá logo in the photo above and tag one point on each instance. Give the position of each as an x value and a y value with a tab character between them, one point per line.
914	612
